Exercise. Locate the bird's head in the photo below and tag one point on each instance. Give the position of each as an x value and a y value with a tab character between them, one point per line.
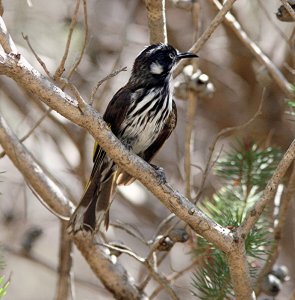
156	62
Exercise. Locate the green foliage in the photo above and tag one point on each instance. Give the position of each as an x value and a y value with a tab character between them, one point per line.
249	166
246	170
211	283
3	286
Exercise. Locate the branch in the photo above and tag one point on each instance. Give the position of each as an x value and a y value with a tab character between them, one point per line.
76	64
59	71
289	9
113	276
32	172
47	112
228	130
156	21
40	61
111	75
207	33
192	104
174	276
268	193
64	282
239	272
286	198
153	273
6	40
273	71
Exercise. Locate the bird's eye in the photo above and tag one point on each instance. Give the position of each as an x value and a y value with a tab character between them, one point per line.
171	55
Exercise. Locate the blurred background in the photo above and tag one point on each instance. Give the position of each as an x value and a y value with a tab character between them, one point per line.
118	31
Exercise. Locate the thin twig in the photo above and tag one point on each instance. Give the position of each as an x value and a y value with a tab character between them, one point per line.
75	66
224	131
192	104
40	61
190	117
48	111
81	102
207	33
159	278
174	276
289	9
154	246
270	19
134	232
6	41
113	74
273	71
61	68
131	9
163	223
1	8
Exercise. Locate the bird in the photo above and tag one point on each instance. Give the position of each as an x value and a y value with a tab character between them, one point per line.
142	115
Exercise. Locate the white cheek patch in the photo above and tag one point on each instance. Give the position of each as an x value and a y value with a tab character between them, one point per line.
156	68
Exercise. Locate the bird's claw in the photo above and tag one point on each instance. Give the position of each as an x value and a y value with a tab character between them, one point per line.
160	174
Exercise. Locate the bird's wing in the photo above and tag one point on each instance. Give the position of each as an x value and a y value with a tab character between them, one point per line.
151	151
114	115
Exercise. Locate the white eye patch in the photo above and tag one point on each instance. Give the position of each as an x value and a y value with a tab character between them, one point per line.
156	68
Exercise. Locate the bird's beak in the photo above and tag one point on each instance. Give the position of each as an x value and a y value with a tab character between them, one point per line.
186	55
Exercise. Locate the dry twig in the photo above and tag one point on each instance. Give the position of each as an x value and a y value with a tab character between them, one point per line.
153	272
207	33
61	68
173	277
289	9
77	63
2	154
113	74
223	132
40	61
273	71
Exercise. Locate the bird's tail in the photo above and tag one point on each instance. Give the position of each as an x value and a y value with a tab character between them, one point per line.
94	206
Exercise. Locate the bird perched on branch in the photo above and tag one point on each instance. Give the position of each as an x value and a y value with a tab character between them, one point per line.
142	114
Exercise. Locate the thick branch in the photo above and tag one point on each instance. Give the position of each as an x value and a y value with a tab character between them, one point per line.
33	173
239	272
113	276
156	21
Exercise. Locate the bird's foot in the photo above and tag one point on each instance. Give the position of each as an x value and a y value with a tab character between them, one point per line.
160	174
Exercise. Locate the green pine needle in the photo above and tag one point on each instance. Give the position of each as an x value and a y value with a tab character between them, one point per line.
3	286
249	168
248	165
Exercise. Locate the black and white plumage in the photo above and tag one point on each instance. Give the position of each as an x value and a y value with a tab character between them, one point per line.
142	114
